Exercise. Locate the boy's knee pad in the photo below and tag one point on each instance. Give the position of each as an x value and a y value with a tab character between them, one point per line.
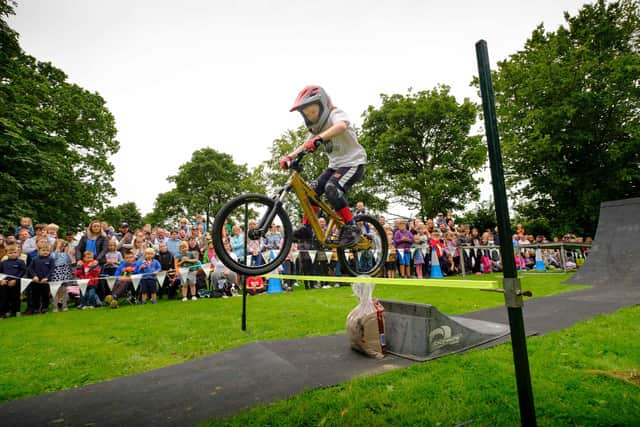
335	195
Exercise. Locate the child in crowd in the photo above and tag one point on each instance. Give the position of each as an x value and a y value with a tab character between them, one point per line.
139	247
26	223
167	263
403	240
40	271
420	244
255	246
61	272
13	268
436	244
390	263
89	269
123	274
148	267
112	258
332	128
189	260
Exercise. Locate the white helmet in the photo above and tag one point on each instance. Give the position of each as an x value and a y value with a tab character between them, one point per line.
310	95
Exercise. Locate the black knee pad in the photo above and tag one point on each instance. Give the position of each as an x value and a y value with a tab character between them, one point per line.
335	195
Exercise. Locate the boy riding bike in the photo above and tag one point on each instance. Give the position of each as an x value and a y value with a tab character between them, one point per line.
330	127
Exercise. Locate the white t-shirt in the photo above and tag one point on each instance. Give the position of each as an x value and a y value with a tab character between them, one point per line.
343	150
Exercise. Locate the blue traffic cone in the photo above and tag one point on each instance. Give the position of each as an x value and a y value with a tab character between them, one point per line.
539	261
274	285
436	271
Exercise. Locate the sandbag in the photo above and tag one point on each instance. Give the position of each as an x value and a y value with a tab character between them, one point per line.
365	323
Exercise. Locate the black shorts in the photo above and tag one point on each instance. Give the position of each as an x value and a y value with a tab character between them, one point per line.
148	286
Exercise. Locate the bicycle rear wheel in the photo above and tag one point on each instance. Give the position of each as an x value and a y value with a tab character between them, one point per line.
368	256
270	245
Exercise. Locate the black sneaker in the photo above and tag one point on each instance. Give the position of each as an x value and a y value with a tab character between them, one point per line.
349	236
303	233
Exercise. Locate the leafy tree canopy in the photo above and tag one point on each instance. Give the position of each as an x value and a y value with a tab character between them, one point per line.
203	185
419	145
126	212
55	139
569	113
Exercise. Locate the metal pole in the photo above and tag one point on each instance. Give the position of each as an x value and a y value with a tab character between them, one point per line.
244	280
512	292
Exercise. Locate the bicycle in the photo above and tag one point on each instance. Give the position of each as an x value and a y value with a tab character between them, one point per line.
365	258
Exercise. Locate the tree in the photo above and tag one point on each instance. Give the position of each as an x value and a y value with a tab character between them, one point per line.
569	114
55	138
126	212
203	185
419	145
483	217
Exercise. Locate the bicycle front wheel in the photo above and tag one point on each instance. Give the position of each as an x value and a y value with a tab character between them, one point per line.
260	236
369	255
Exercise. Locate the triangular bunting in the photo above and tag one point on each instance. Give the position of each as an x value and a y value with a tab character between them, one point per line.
184	272
23	284
160	275
111	281
312	255
135	279
274	253
205	267
249	259
401	251
424	252
412	251
54	286
266	255
83	285
294	255
359	255
329	255
2	276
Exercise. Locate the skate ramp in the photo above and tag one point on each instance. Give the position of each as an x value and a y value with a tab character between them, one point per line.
613	258
421	332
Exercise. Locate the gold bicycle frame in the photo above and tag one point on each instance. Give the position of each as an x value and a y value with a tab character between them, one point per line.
306	195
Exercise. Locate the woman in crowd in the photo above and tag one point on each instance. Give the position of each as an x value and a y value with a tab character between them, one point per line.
93	241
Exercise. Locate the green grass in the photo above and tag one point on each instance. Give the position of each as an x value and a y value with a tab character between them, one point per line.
57	351
479	387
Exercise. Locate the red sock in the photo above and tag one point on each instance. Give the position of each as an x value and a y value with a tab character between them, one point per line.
305	220
346	214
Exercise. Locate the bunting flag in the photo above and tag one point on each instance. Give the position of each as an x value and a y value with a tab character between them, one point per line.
412	251
2	276
266	255
329	255
54	286
424	252
205	267
275	253
83	285
23	284
184	272
312	255
249	259
111	281
294	255
359	255
161	276
135	279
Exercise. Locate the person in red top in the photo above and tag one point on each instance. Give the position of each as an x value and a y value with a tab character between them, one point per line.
255	285
88	268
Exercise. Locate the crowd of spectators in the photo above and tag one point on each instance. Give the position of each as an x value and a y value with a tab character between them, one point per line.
182	263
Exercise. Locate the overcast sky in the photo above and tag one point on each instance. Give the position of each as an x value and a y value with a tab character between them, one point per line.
180	76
